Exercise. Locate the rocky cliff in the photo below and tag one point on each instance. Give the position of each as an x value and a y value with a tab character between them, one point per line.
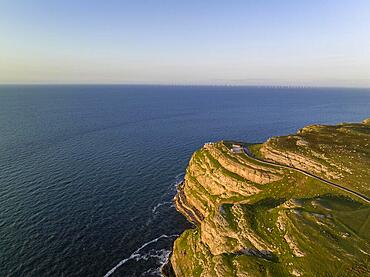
259	219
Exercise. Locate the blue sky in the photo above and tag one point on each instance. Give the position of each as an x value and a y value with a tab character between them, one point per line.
306	42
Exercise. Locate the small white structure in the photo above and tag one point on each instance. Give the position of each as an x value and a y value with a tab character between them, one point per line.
236	148
208	144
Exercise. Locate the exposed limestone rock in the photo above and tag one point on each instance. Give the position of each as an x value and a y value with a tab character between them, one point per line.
252	218
245	169
293	246
295	160
301	142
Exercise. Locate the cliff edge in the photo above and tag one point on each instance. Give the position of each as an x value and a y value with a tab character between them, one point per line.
256	213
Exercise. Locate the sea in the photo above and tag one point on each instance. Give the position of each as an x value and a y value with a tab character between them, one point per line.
88	172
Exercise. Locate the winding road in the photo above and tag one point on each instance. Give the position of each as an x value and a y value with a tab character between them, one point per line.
359	195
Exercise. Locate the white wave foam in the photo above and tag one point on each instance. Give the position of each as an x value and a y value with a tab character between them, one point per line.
180	175
160	204
151	271
135	255
162	255
179	178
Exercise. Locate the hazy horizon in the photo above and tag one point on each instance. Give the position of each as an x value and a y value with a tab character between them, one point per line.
189	85
244	43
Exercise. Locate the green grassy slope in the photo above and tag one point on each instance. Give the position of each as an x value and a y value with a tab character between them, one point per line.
343	149
262	220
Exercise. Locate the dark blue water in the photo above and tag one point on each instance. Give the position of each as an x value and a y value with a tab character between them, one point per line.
87	173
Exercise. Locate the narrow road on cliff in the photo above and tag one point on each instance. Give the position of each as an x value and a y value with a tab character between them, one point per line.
251	156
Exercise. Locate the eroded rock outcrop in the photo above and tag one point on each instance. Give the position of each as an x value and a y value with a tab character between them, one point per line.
256	219
295	160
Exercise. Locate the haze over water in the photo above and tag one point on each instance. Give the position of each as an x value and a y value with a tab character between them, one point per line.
87	173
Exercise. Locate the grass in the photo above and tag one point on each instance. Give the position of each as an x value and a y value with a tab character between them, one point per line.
309	227
344	149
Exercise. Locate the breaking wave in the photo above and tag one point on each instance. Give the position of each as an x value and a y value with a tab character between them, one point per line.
154	210
162	255
171	193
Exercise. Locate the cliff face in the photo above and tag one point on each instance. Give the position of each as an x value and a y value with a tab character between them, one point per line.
213	175
257	219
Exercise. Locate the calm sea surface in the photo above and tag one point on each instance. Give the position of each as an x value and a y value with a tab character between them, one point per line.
87	173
